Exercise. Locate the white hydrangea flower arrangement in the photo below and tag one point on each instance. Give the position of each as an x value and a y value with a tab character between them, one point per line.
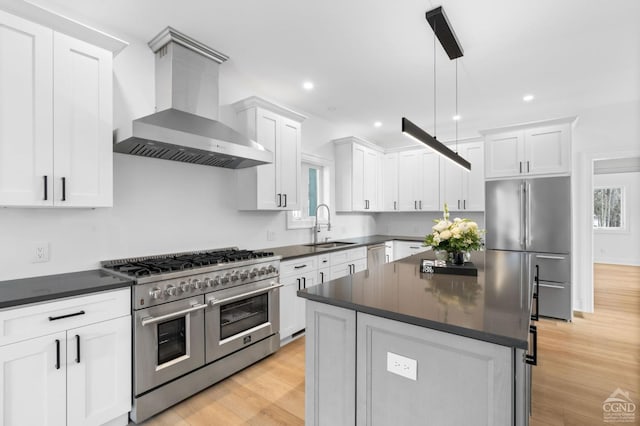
459	235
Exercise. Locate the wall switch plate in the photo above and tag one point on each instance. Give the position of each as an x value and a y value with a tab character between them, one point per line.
402	366
40	253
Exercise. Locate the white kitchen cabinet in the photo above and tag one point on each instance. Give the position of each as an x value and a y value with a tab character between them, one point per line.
418	181
390	182
463	190
402	249
541	149
357	170
295	275
348	262
63	367
388	252
274	186
56	118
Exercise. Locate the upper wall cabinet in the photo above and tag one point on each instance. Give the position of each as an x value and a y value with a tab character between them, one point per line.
274	186
55	118
529	150
418	181
357	175
463	190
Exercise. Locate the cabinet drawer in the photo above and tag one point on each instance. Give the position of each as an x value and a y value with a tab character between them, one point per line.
552	267
298	266
31	321
343	256
324	260
555	300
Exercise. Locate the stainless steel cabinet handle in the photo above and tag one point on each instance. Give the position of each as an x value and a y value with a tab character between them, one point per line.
154	320
551	286
215	302
544	256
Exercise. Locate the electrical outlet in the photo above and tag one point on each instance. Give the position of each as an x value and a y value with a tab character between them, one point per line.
402	366
271	235
40	252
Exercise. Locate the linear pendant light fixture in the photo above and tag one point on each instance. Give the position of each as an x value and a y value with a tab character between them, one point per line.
443	31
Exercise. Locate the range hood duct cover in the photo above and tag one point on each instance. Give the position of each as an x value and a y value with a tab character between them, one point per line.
185	128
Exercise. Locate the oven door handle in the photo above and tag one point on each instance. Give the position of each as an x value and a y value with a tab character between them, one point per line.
216	302
153	320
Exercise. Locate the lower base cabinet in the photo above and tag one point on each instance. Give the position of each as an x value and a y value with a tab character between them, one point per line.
457	381
78	376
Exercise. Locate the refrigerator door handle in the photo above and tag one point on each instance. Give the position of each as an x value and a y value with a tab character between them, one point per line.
544	256
522	217
528	215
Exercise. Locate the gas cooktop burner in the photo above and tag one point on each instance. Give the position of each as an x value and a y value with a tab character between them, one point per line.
142	267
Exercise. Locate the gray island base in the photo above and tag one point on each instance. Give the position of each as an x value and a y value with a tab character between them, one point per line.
393	346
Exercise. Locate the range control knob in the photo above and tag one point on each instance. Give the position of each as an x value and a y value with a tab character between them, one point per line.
253	273
155	293
184	286
244	275
170	290
225	279
262	271
216	281
195	283
234	277
207	282
271	269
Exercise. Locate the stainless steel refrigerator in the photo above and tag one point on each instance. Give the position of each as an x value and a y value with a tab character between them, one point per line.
528	224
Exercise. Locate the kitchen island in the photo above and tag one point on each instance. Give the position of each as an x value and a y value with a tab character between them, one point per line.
392	345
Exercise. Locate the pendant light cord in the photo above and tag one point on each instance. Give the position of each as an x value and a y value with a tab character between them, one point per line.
457	116
434	82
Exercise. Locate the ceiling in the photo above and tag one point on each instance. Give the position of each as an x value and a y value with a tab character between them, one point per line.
372	60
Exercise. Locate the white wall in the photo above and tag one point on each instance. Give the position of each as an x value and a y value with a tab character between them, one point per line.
620	247
159	206
412	224
611	131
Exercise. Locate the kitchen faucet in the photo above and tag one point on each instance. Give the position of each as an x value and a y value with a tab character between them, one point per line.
316	227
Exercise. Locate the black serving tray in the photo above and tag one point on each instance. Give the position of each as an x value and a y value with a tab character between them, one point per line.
440	267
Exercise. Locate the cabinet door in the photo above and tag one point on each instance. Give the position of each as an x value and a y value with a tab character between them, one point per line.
267	133
340	270
504	154
547	150
99	372
429	196
357	180
288	163
288	306
82	98
33	390
473	181
409	176
451	185
370	181
388	252
390	183
26	113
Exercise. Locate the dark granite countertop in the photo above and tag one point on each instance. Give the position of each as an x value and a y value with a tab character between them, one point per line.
300	250
50	287
484	307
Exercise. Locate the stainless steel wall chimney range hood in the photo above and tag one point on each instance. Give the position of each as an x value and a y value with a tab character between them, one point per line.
185	128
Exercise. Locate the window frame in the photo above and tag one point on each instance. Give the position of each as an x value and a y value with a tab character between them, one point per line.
325	169
623	210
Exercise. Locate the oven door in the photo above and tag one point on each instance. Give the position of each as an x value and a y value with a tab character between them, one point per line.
237	317
168	342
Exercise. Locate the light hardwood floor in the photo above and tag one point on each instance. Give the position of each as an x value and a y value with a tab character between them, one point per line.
580	365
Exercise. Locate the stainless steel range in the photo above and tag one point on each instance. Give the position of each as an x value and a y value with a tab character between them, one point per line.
198	318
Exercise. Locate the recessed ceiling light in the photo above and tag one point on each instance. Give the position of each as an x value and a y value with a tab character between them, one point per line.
307	85
377	124
527	98
456	117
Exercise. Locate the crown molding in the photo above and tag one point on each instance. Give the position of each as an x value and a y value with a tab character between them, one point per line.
255	101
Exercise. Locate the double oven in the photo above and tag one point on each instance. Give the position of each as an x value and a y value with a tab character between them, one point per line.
193	330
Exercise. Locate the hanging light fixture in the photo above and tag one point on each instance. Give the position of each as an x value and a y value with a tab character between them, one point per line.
443	31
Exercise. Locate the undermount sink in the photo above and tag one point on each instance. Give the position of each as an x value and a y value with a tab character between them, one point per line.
332	244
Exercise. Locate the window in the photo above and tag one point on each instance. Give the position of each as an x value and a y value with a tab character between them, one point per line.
314	191
608	208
